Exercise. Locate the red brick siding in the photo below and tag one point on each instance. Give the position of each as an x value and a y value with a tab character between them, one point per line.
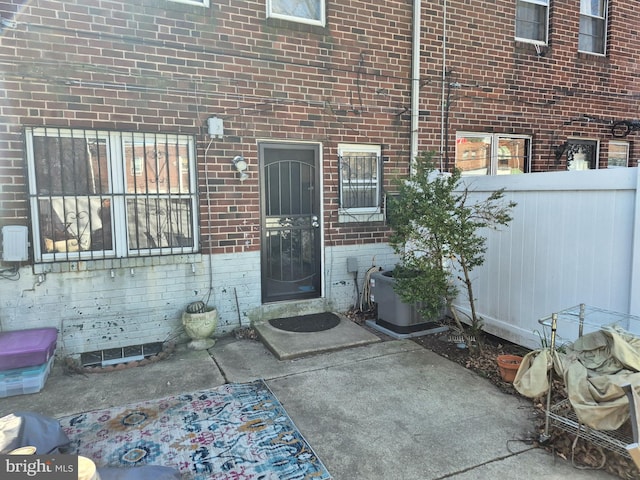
165	66
127	66
505	87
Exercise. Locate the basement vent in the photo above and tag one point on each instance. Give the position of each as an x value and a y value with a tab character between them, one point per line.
113	356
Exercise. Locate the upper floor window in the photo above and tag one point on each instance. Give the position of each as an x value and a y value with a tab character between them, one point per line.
532	20
306	11
593	26
98	194
204	3
493	154
360	178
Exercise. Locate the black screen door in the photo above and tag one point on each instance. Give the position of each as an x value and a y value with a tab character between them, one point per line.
291	233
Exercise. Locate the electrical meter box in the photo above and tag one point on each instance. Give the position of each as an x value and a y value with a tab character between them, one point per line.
15	243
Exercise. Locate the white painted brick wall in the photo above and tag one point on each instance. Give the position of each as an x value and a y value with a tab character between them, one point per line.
339	282
235	276
96	307
105	308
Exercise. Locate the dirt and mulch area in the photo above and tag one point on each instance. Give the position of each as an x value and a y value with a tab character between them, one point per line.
482	361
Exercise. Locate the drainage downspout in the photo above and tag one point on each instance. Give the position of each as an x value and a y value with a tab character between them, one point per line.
415	82
444	100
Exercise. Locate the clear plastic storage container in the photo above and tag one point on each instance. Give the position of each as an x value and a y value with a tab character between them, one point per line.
21	381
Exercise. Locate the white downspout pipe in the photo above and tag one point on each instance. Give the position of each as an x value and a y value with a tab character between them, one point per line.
443	99
415	81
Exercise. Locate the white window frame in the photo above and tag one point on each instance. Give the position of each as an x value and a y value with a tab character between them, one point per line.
494	139
200	3
626	159
361	214
602	19
321	21
544	3
117	194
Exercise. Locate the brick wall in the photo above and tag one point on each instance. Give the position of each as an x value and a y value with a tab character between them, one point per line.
507	87
168	67
100	308
117	306
165	66
340	283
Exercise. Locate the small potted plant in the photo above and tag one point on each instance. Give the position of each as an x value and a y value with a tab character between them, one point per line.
508	366
200	321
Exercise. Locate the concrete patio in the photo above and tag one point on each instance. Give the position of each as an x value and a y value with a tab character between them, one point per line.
384	410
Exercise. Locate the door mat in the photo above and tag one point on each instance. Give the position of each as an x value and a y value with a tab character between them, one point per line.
235	431
315	322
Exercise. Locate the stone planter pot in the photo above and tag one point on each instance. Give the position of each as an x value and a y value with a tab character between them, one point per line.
200	327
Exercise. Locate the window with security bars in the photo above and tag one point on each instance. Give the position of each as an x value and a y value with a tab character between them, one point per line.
359	178
100	194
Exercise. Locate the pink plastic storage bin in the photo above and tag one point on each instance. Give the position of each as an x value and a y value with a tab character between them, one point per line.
27	348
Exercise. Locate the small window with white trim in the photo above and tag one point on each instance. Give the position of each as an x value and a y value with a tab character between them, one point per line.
593	26
618	154
493	154
305	11
202	3
532	21
360	182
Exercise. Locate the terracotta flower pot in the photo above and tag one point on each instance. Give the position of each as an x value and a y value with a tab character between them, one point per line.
508	366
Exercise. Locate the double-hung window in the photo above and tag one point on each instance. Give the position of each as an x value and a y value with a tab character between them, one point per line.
532	21
203	3
493	154
593	26
305	11
360	178
100	194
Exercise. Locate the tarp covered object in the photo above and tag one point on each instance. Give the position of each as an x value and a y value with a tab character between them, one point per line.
31	429
593	369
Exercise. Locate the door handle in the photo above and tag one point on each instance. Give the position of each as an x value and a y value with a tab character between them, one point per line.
314	221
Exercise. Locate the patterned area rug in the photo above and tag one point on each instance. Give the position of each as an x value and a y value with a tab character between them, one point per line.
236	431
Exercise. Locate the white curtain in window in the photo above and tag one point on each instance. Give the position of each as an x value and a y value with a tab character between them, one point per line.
531	20
592	19
591	7
309	9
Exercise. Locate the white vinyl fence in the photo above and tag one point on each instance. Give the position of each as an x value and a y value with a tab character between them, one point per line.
575	238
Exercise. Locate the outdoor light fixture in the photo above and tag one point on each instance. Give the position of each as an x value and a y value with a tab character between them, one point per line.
240	164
